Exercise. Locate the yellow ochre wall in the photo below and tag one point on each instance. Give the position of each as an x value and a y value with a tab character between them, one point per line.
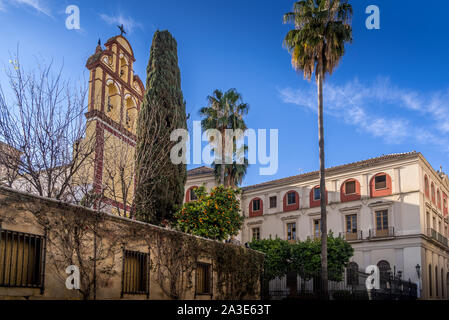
115	95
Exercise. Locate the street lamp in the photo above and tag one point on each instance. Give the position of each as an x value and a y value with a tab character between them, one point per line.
418	270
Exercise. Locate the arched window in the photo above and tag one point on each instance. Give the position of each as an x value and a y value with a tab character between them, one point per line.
255	207
123	68
430	280
130	113
191	195
426	186
436	282
350	190
385	271
442	283
291	201
447	282
432	192
315	197
380	185
113	101
352	276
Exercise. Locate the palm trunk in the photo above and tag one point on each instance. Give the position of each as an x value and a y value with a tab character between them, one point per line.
324	273
222	168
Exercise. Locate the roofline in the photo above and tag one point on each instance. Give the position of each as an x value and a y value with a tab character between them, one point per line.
194	174
332	171
200	174
430	167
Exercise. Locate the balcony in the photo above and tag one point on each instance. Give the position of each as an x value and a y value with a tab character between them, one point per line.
432	233
352	236
379	234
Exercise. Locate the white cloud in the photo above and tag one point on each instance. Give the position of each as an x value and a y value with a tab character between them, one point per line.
35	4
382	109
2	6
129	23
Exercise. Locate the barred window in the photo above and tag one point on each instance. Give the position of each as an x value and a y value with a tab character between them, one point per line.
135	272
385	272
21	257
203	278
352	278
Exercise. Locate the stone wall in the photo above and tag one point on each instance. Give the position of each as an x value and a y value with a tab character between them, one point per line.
117	258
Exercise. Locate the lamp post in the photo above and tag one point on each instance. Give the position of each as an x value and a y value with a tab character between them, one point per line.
418	283
418	271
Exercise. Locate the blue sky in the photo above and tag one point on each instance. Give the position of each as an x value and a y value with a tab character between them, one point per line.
389	94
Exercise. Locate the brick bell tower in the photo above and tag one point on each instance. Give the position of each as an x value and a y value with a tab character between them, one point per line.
115	96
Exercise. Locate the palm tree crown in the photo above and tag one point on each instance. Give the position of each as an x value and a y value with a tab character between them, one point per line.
226	111
322	27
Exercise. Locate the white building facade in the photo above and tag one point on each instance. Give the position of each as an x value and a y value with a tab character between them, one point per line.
393	210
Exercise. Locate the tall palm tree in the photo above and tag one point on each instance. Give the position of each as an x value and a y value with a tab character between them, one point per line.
234	173
317	43
225	111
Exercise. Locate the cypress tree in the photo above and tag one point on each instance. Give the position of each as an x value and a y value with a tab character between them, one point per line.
159	182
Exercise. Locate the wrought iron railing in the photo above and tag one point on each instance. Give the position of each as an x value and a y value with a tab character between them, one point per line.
22	259
435	235
383	233
352	236
352	287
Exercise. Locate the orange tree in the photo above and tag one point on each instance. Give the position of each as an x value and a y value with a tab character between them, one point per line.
215	215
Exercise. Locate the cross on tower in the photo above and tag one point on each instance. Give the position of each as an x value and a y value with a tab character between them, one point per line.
122	30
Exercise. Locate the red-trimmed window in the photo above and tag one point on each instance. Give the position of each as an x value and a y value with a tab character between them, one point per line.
315	197
190	194
432	192
438	199
380	185
350	190
426	186
445	210
291	201
255	207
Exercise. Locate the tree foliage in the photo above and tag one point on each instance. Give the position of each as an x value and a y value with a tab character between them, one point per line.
43	148
215	215
278	253
317	43
160	183
304	257
225	110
